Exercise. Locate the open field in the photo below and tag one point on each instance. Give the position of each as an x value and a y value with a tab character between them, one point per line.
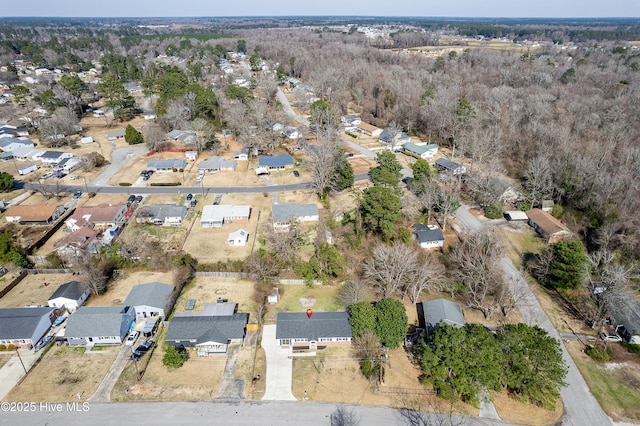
35	290
517	412
64	374
119	288
616	384
197	380
208	290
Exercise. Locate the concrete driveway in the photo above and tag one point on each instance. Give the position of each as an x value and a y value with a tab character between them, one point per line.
231	387
279	367
12	372
103	393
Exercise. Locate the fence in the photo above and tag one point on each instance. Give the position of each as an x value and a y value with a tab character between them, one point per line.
13	283
51	271
42	240
244	275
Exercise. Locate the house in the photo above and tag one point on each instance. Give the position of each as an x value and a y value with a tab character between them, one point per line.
24	327
548	226
516	216
428	236
162	214
25	170
13	131
70	164
172	165
423	151
185	136
439	311
70	295
86	140
283	215
446	165
209	332
238	238
504	191
53	158
216	164
27	153
84	240
292	133
303	331
350	120
99	325
6	156
37	214
369	130
215	216
242	155
191	155
10	144
101	216
392	137
277	162
151	300
115	134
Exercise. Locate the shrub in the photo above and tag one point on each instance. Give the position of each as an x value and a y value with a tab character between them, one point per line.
3	348
630	347
597	354
125	184
166	184
11	347
174	357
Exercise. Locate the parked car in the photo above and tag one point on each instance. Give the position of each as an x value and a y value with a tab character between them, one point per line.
131	198
142	349
3	271
145	177
138	198
149	173
189	197
77	195
296	173
143	173
193	202
608	337
132	338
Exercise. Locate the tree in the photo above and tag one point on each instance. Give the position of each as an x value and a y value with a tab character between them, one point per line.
6	181
421	171
241	46
362	316
532	364
132	136
353	291
380	209
92	160
428	276
175	357
567	264
55	130
10	250
538	179
446	203
391	322
388	171
346	177
391	268
368	350
116	98
76	87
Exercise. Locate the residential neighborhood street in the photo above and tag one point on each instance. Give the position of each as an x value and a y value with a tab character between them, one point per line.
581	408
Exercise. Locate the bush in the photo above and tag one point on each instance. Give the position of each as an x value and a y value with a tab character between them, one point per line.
174	357
634	349
125	184
166	184
11	347
3	348
597	354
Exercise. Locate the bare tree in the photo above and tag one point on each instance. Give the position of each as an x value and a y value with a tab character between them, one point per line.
353	291
429	275
325	160
56	129
538	179
155	137
391	268
283	246
446	203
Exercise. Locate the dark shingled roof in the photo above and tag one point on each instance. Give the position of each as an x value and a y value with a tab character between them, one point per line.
71	290
443	310
204	329
321	324
21	323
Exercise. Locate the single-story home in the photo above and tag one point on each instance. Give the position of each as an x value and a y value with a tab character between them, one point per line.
424	151
369	130
27	153
350	120
14	131
37	214
208	334
516	215
99	325
24	327
428	236
70	295
69	164
392	136
151	300
292	133
167	165
191	155
238	238
86	140
10	144
186	136
53	158
283	215
439	311
162	214
101	216
115	134
242	155
84	240
444	164
216	216
277	162
216	164
300	330
548	226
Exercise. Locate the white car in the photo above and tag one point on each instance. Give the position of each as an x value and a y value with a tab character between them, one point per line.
607	337
73	177
132	338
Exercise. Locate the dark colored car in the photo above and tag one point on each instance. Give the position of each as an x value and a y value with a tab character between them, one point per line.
143	173
131	198
189	197
138	198
142	349
77	195
193	202
296	173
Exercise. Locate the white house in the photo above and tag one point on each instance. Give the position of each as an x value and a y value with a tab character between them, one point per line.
99	325
53	158
24	327
86	140
71	296
428	236
191	155
238	238
283	215
216	216
150	300
423	151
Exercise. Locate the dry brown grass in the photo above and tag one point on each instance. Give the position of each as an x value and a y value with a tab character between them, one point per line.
246	369
64	374
513	411
33	291
209	289
5	357
119	289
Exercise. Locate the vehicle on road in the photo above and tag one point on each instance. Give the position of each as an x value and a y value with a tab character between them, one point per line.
77	195
608	337
73	177
132	338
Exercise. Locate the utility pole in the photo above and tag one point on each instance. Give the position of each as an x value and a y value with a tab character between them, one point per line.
20	358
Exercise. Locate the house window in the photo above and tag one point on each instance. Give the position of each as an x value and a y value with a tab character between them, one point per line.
343	339
326	339
285	341
300	340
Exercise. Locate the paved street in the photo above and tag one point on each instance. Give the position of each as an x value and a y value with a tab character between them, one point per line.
288	110
581	408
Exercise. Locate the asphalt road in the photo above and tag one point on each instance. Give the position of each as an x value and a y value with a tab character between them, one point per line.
228	413
581	408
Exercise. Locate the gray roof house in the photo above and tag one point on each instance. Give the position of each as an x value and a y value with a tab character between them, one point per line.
444	164
115	134
186	136
277	162
70	295
10	144
428	236
208	334
439	311
162	214
150	300
99	325
216	164
422	151
24	327
167	165
283	215
317	329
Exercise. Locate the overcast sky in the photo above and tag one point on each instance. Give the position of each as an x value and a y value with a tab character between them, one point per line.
454	8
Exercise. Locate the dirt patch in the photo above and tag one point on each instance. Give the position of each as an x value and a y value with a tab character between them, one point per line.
513	411
64	374
362	164
119	289
34	290
307	302
247	369
209	289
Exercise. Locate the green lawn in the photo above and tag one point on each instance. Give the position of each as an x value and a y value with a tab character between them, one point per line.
325	297
615	389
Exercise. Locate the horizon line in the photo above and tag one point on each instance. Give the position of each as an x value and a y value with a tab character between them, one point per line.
315	16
